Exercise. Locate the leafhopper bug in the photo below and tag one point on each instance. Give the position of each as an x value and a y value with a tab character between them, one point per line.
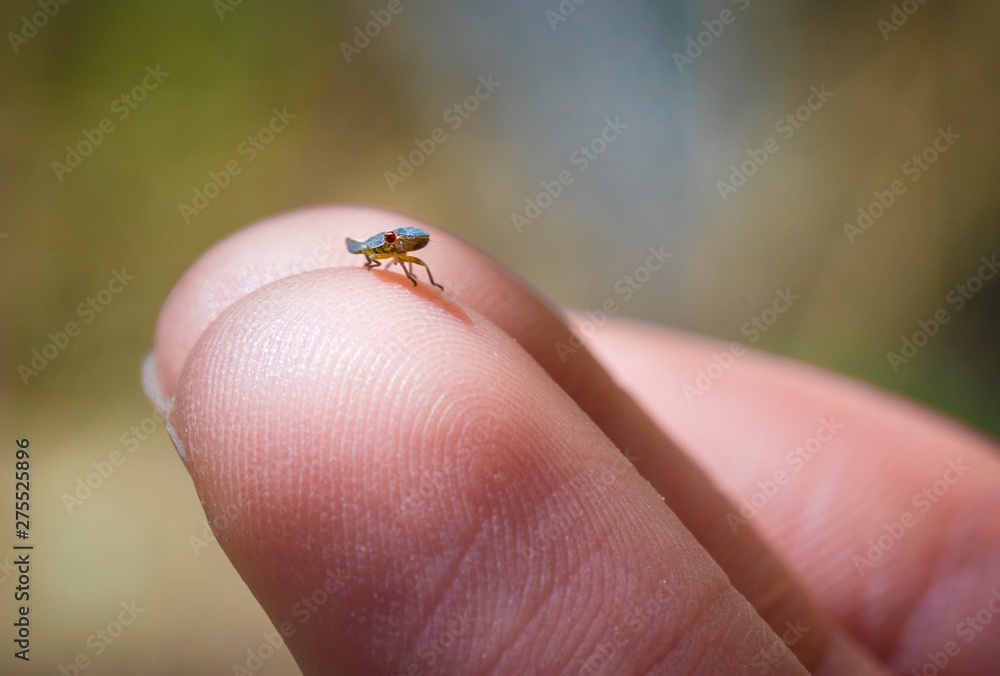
394	244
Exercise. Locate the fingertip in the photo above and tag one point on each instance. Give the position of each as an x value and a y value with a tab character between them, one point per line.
348	429
281	246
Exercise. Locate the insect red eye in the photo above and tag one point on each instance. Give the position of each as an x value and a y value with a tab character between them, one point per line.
390	237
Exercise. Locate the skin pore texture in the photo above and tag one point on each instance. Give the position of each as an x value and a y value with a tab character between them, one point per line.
463	499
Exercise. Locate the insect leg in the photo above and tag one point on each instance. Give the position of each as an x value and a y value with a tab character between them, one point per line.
372	263
409	274
413	259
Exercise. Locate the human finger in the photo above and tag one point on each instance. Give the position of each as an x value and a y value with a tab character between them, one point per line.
878	504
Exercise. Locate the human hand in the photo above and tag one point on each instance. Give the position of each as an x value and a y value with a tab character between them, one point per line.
417	482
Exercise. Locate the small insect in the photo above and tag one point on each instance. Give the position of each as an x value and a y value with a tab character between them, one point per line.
394	244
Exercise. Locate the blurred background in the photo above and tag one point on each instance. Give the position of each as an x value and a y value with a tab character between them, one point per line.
844	153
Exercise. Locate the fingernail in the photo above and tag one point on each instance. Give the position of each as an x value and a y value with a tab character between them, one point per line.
151	382
151	386
168	425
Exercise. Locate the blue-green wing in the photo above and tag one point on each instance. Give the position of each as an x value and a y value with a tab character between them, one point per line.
372	243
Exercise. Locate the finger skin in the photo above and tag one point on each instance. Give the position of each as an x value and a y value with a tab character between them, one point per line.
407	491
924	590
280	247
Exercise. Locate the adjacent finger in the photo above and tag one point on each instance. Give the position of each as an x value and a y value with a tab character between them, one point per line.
880	505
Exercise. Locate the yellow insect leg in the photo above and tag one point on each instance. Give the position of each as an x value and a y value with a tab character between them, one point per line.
403	258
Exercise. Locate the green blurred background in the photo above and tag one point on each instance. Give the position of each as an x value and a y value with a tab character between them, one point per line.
690	111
